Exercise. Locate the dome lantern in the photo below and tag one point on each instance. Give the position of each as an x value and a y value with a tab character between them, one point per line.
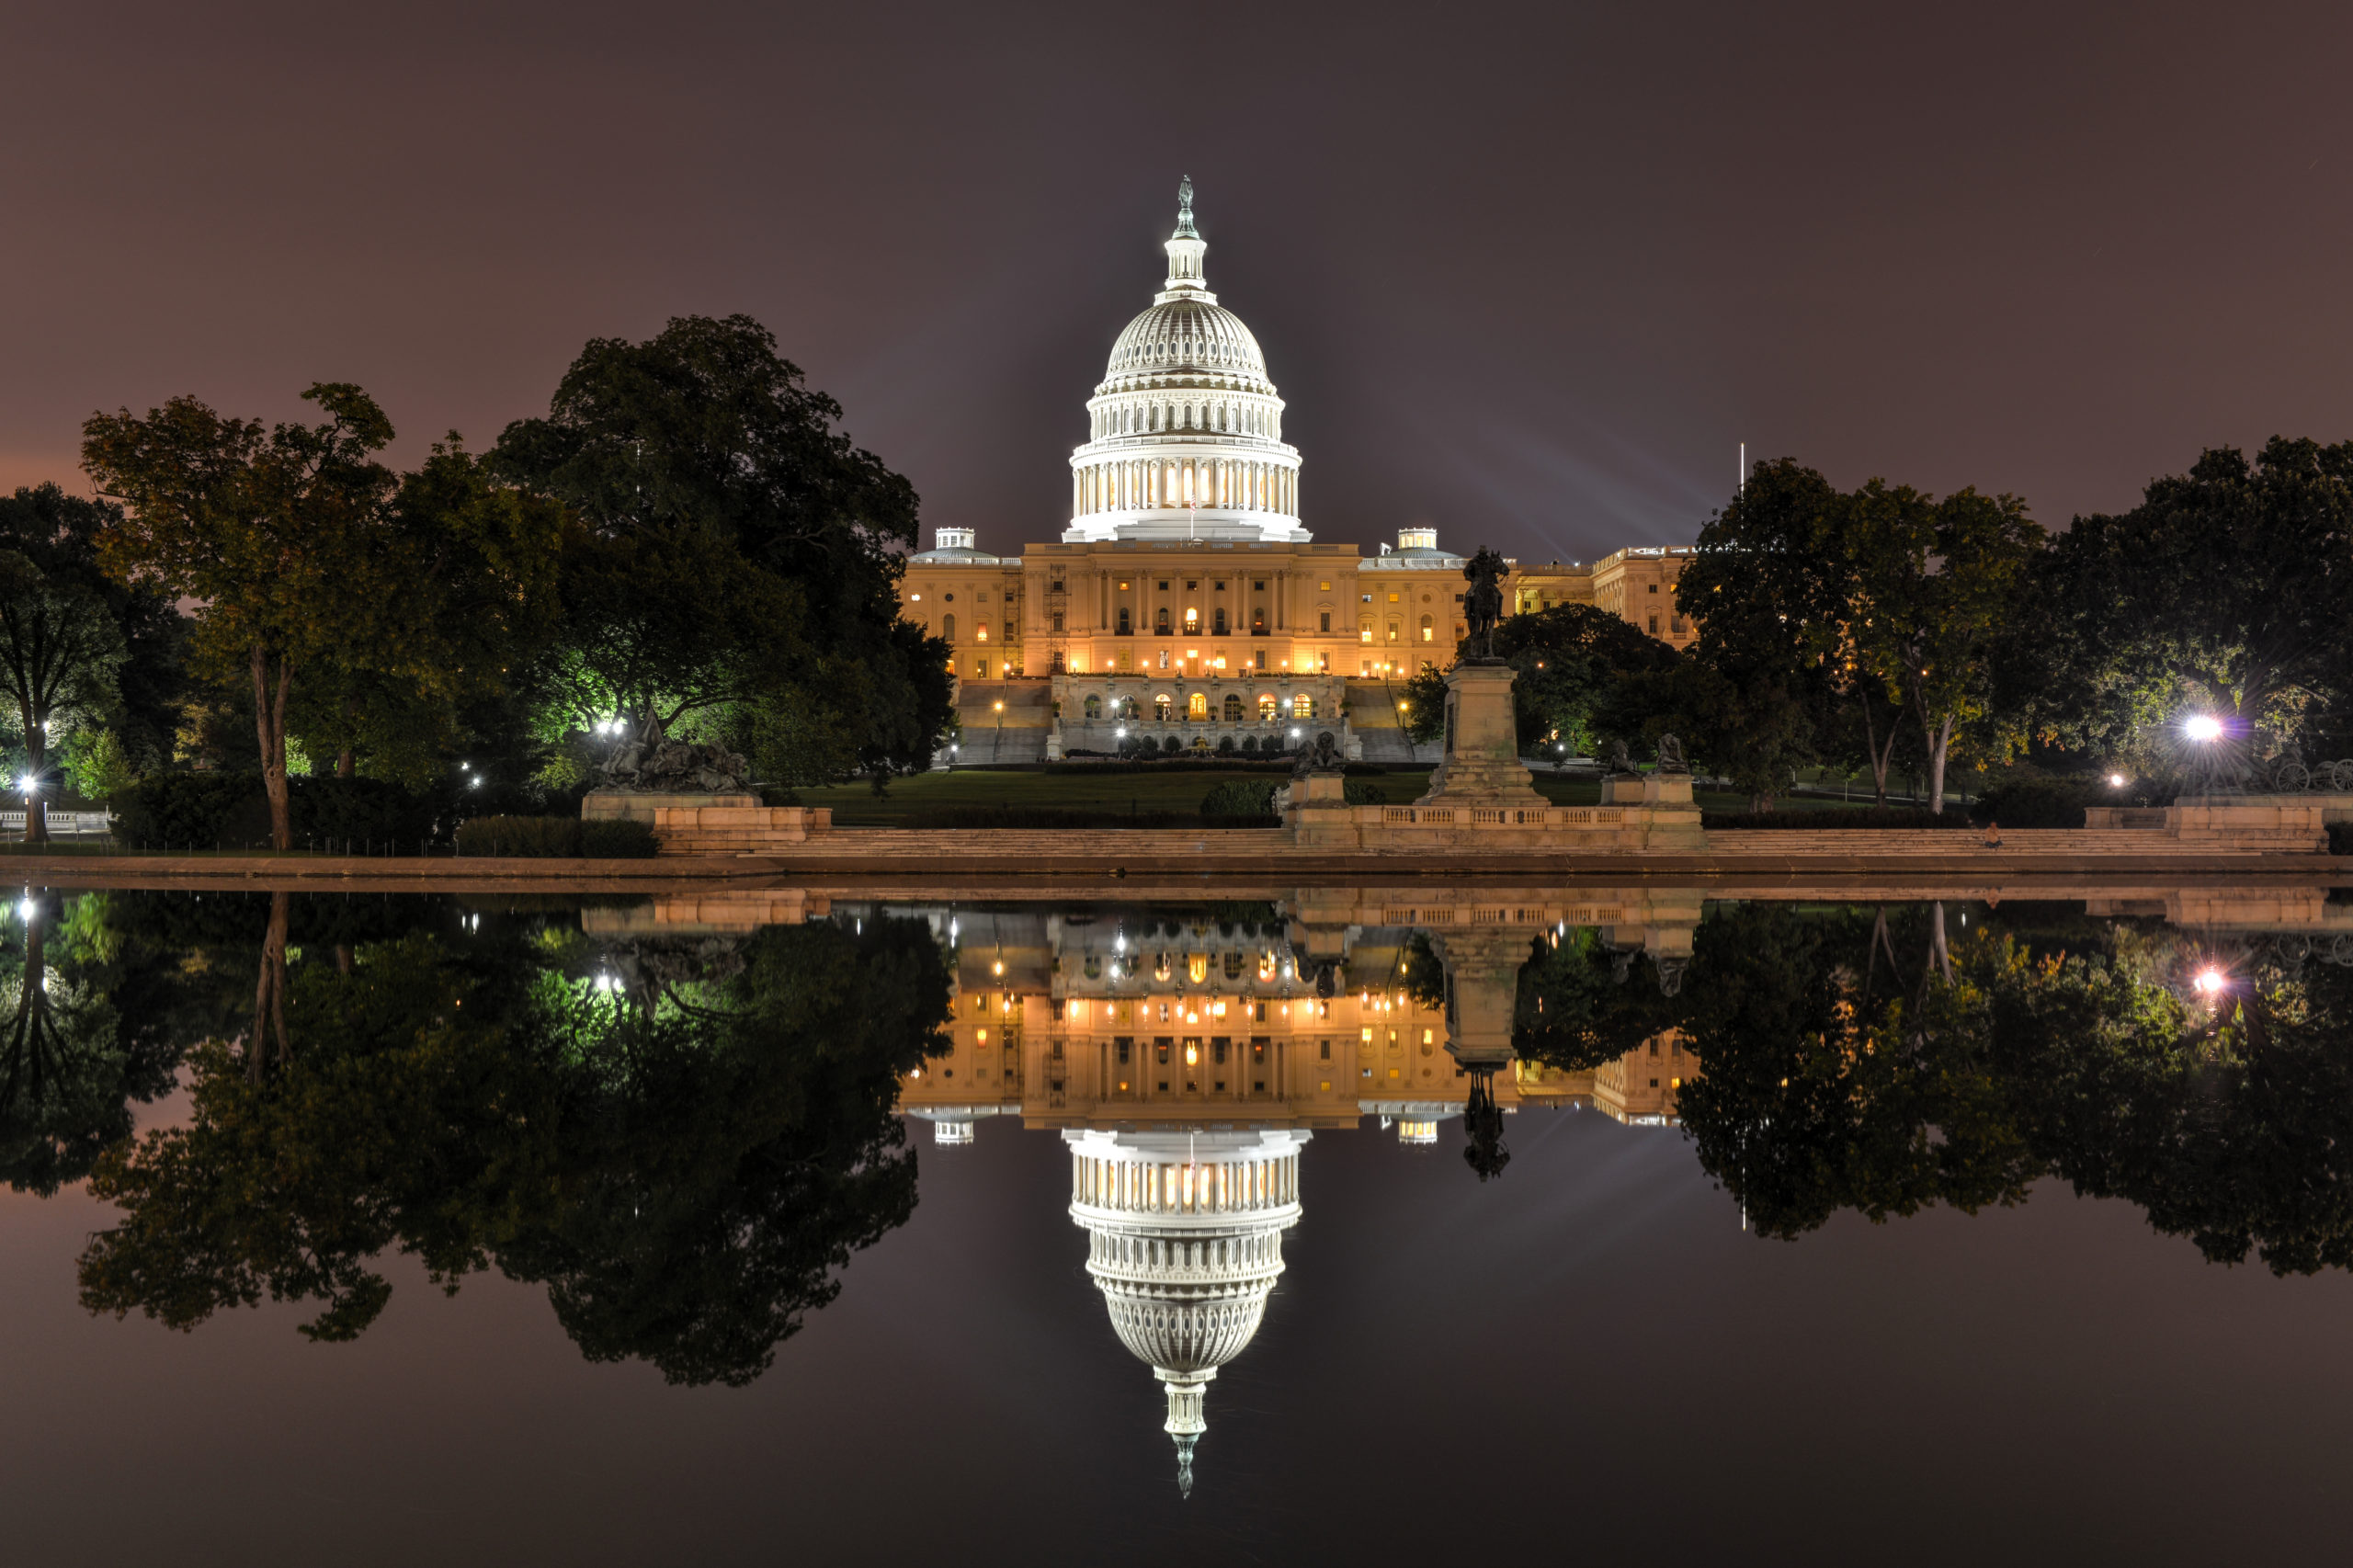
1186	428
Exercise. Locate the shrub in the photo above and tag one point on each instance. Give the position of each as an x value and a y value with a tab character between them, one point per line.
557	837
360	809
1357	791
192	809
1253	798
533	836
2038	803
625	839
1821	818
933	818
231	807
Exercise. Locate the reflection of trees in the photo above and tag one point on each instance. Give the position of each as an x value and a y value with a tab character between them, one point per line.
685	1165
1837	1075
70	1065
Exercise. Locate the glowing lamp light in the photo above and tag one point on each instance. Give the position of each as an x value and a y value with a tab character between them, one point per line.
25	909
2116	781
2210	982
2203	727
28	784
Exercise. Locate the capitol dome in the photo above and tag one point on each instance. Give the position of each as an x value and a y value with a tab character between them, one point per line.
1187	334
1185	1241
1185	430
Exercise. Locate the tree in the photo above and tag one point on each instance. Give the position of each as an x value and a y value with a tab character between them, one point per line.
60	648
738	537
267	528
1935	585
1770	584
477	563
2229	588
59	534
1569	662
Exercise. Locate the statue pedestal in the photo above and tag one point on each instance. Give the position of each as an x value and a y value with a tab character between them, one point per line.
1482	764
647	806
732	824
1316	811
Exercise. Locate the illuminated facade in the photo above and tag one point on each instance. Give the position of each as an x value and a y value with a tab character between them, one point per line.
1186	600
1187	1061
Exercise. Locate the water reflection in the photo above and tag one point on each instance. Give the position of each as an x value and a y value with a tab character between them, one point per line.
683	1119
683	1138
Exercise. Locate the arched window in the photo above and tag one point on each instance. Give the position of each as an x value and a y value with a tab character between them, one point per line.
1198	706
1392	631
1303	707
1160	621
1267	706
1159	707
1428	634
947	627
1218	626
981	631
1124	624
1364	631
1232	707
1095	708
1192	622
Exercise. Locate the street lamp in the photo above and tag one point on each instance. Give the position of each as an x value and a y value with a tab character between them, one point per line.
2203	727
2116	781
2210	981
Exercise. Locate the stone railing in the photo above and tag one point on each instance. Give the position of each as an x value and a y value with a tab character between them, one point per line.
1468	817
62	821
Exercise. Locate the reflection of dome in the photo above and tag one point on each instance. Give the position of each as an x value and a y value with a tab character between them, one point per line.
1184	1233
952	1124
1184	431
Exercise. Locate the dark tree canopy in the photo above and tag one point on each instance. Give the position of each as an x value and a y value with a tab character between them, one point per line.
59	534
742	555
2229	589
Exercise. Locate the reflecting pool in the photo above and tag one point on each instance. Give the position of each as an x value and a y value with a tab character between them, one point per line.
1805	1223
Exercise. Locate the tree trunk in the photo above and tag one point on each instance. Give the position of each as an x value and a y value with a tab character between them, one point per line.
1882	756
269	993
269	722
343	762
1939	742
37	758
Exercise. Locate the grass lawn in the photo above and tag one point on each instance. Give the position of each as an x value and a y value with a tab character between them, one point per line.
856	805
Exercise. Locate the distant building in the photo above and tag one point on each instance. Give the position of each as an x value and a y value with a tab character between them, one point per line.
1186	600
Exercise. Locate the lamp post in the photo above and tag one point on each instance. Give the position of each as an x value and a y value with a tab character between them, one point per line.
997	747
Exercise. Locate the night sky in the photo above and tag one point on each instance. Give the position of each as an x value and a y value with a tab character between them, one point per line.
1529	273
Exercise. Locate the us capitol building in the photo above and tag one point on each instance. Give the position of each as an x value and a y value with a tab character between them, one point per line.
1187	600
